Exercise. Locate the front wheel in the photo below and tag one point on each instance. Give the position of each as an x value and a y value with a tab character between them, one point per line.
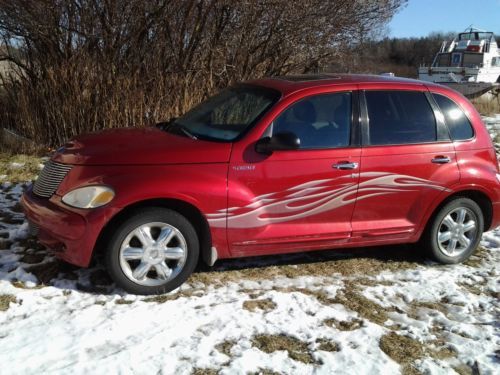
455	231
152	252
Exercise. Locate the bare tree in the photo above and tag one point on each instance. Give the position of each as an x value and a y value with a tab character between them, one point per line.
83	65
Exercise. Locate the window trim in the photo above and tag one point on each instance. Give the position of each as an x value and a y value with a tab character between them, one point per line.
355	136
431	95
442	132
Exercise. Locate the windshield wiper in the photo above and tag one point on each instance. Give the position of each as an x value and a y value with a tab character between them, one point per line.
173	127
183	129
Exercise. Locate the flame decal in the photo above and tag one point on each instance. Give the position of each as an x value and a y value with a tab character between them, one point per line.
314	197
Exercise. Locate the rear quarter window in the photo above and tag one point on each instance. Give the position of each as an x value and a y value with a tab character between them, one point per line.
456	120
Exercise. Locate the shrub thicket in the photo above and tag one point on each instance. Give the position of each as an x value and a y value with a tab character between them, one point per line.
84	65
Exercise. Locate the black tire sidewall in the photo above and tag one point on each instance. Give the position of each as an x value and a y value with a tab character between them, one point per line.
432	237
136	219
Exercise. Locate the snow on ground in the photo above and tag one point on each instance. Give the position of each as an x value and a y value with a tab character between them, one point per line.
381	310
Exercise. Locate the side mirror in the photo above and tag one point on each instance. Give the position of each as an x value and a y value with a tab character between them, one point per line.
278	142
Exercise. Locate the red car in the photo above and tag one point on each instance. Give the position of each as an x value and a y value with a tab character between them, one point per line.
278	165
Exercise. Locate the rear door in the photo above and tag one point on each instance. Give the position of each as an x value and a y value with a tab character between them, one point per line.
407	161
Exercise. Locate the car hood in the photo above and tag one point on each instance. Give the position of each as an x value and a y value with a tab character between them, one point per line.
136	146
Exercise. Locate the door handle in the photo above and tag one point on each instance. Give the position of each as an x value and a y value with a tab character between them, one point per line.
441	160
343	165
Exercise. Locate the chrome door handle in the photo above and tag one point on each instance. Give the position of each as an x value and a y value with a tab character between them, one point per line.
441	160
345	165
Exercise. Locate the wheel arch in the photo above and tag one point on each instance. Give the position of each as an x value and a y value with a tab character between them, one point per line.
188	210
482	200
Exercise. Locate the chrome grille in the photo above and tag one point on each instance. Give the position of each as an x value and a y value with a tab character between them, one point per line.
50	178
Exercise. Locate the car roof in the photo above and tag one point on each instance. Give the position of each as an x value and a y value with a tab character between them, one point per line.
293	83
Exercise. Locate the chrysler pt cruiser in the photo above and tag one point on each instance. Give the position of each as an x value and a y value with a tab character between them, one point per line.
278	165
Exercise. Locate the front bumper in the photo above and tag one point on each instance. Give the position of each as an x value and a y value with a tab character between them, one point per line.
71	234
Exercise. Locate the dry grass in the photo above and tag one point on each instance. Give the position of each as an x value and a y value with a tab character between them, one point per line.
464	369
366	308
264	371
26	169
358	262
487	106
204	371
21	285
6	300
297	350
415	306
442	353
476	260
344	325
172	297
123	301
474	289
225	347
327	345
404	350
265	304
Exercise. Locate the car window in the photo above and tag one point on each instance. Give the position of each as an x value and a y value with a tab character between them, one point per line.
400	117
322	121
227	115
458	123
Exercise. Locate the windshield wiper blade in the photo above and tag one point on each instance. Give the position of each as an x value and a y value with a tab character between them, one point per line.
187	132
173	127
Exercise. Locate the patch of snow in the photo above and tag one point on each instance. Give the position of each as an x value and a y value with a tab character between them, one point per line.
63	329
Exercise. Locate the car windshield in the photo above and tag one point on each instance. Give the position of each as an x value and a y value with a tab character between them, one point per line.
227	115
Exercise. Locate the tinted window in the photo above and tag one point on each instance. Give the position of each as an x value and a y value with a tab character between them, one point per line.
322	121
457	121
400	117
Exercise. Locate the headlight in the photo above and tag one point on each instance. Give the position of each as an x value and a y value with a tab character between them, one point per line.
89	197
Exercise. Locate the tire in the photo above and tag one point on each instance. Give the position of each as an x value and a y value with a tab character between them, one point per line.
454	232
152	252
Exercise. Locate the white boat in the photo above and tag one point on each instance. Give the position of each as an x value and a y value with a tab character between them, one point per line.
469	64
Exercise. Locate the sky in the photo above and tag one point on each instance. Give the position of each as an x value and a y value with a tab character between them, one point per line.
421	17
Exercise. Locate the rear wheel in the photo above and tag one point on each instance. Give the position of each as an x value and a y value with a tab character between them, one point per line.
152	252
455	231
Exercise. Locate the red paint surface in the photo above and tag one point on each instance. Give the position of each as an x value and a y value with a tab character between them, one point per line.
147	164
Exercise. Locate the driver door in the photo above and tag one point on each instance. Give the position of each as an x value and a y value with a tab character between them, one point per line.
301	199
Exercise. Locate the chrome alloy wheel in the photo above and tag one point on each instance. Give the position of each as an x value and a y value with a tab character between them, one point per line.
153	254
457	231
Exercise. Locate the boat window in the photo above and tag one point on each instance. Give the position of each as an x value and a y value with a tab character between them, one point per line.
484	35
400	117
495	61
472	60
443	59
458	123
467	36
475	36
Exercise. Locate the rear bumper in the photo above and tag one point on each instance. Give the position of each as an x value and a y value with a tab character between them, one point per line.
71	234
